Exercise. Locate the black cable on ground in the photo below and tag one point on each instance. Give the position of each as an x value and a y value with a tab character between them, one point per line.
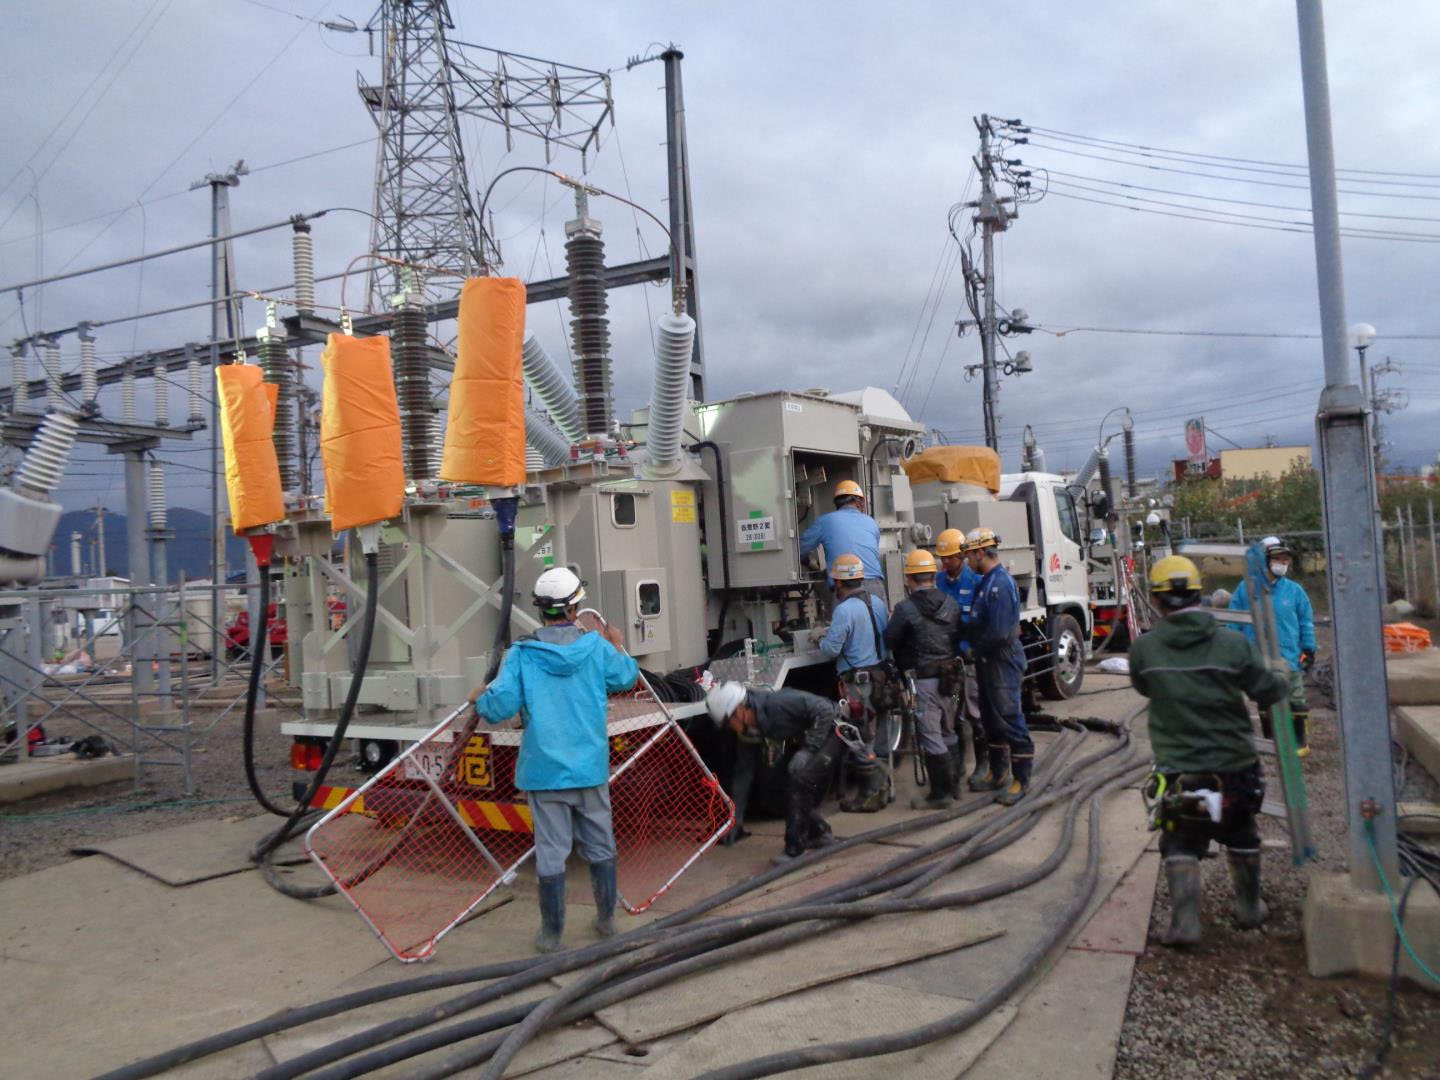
258	636
266	848
1387	1028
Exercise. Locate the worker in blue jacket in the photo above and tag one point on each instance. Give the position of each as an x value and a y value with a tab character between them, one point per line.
1294	633
856	641
960	582
848	530
994	636
557	679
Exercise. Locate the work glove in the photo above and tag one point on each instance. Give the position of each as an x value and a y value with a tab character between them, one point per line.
818	633
1307	659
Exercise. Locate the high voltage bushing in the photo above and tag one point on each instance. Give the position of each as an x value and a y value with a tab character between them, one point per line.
412	385
673	351
302	247
541	437
127	395
1129	436
194	386
589	328
19	378
89	370
162	397
155	490
276	366
553	389
1105	474
39	474
50	359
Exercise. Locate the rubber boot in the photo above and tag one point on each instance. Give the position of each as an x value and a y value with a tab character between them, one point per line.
1250	910
797	821
870	799
957	768
1019	779
1182	875
997	766
552	913
1302	733
942	784
602	884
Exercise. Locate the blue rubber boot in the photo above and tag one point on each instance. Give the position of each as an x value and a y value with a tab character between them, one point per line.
602	882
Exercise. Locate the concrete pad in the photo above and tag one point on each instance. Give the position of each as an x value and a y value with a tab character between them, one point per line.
191	853
1417	727
839	954
832	1014
1348	931
591	1067
1123	922
39	776
1078	1006
1414	678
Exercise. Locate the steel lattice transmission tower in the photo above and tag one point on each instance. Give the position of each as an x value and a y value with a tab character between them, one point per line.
424	206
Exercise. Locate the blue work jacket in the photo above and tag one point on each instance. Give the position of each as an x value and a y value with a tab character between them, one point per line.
994	627
1294	617
851	639
846	531
559	686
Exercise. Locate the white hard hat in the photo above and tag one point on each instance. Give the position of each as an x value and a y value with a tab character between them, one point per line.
723	700
557	589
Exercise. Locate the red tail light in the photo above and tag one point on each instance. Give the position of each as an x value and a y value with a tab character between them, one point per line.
306	756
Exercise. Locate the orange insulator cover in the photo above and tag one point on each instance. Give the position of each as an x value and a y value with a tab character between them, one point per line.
485	433
977	465
247	420
360	442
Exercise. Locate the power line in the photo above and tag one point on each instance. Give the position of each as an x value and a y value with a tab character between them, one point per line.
1215	333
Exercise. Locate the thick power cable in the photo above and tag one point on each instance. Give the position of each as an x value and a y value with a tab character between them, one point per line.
258	644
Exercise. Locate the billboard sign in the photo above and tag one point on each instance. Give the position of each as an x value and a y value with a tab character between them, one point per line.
1195	449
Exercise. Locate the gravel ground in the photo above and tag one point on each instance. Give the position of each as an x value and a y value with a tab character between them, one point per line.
1241	1004
40	832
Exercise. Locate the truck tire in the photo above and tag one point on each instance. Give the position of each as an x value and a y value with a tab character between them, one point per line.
1062	679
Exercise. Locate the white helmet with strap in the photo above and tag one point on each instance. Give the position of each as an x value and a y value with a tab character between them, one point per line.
557	589
723	699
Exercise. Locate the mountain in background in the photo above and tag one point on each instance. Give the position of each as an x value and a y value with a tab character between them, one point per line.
187	550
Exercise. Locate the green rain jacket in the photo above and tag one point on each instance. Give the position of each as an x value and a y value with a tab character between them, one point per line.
1196	674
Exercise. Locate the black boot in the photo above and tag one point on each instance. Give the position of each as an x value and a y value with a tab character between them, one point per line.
993	779
1019	779
870	799
552	913
942	784
957	768
602	884
797	821
1182	875
1250	910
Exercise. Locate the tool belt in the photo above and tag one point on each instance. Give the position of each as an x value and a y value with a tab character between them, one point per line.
948	672
1174	800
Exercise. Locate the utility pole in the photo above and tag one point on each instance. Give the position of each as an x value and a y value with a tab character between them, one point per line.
991	216
683	270
1382	401
221	285
1347	476
102	561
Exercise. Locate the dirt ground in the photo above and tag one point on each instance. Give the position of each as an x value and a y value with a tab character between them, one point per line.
40	832
1242	1005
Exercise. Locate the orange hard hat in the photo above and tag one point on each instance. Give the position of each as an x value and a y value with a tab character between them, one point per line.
919	561
848	568
950	542
848	488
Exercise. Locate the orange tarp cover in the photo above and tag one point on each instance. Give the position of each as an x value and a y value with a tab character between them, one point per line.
247	420
485	435
360	441
956	465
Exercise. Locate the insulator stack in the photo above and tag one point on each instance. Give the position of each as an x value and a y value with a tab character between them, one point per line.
50	359
302	248
275	363
162	398
589	328
1087	471
155	490
553	389
412	387
19	378
193	386
127	396
39	474
89	377
542	438
1105	474
1129	436
534	459
673	350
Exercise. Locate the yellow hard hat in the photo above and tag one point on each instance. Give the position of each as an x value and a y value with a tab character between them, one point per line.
919	561
848	488
848	568
950	542
980	538
1174	573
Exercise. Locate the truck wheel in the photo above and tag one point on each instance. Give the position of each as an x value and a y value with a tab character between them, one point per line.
1067	670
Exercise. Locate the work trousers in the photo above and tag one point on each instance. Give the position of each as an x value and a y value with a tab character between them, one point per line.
934	729
807	777
1000	678
1241	794
969	710
578	817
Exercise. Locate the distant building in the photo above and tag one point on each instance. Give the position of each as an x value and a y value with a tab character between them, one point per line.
1265	463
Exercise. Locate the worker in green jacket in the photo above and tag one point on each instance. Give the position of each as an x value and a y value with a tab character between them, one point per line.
1207	783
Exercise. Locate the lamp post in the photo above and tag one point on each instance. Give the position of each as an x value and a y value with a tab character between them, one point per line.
1361	335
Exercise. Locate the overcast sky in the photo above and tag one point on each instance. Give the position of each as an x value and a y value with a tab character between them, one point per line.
828	141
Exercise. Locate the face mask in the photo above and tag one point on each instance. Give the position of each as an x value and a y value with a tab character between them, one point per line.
1279	569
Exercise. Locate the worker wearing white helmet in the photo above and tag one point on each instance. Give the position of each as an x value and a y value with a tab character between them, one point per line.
779	715
1294	632
557	679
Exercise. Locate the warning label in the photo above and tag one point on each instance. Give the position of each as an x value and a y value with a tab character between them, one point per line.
682	507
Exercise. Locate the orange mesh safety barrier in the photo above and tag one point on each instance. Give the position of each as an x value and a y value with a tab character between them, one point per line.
485	432
247	421
434	832
1406	637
